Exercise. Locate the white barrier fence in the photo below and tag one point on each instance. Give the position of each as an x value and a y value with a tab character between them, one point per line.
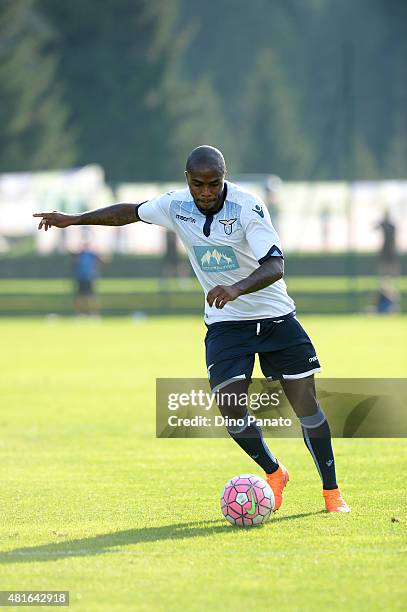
318	216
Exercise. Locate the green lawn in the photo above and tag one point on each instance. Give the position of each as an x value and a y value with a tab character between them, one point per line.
92	503
324	284
122	296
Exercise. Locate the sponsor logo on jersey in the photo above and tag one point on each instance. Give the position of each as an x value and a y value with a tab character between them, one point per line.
258	209
216	258
227	225
182	218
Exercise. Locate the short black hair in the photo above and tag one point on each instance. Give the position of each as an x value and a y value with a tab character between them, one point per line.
205	155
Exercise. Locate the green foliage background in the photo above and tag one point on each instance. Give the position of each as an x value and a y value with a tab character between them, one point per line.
306	89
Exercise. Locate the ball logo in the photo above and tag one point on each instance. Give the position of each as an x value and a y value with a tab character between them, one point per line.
252	508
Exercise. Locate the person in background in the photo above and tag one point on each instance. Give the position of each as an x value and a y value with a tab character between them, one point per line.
388	255
387	298
174	264
171	263
387	301
86	267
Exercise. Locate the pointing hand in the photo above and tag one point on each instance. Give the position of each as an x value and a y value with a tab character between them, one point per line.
54	219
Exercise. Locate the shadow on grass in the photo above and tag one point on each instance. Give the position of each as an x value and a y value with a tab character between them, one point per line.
106	543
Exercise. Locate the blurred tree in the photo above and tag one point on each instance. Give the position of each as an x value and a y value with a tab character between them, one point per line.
396	153
119	60
369	102
196	118
224	45
394	13
365	116
33	113
273	142
315	87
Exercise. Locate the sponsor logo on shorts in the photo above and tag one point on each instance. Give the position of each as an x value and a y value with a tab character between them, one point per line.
314	358
216	258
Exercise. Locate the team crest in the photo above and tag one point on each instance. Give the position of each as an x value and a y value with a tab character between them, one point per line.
227	225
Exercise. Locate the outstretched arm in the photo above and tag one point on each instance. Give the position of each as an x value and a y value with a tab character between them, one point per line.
268	273
117	214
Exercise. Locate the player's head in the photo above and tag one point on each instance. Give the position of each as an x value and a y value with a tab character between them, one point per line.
205	173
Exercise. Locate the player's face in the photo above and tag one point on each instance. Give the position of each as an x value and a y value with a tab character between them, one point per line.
206	187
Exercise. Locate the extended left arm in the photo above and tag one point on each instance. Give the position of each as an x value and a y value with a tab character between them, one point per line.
266	274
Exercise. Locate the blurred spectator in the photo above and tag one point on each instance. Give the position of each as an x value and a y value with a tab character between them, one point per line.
386	300
171	258
389	265
86	267
174	265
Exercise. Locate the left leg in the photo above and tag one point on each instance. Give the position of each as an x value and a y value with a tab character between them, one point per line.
294	363
301	394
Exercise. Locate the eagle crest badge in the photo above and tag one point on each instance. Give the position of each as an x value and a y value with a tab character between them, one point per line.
227	225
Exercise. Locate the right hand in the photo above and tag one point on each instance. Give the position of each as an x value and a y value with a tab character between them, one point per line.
54	219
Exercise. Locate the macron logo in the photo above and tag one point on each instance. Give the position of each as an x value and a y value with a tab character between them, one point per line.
258	209
181	218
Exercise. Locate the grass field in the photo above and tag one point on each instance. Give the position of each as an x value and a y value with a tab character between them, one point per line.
60	286
92	503
122	296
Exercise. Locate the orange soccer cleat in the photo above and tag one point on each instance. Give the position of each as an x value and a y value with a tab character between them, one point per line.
334	501
277	481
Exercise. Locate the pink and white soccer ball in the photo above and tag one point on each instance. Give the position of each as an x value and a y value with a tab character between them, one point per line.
247	500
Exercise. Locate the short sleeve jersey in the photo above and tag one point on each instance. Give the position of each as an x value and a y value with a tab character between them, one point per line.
224	248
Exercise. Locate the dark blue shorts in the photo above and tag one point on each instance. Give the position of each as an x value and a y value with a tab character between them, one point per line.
84	287
284	349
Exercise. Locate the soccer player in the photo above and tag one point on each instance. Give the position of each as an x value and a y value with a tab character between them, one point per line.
237	257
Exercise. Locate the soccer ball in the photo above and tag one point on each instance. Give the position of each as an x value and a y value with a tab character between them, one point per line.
247	500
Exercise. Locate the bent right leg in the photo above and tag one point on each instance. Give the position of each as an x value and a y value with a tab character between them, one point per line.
232	403
229	378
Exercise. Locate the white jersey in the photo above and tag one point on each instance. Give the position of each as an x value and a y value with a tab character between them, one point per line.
225	248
